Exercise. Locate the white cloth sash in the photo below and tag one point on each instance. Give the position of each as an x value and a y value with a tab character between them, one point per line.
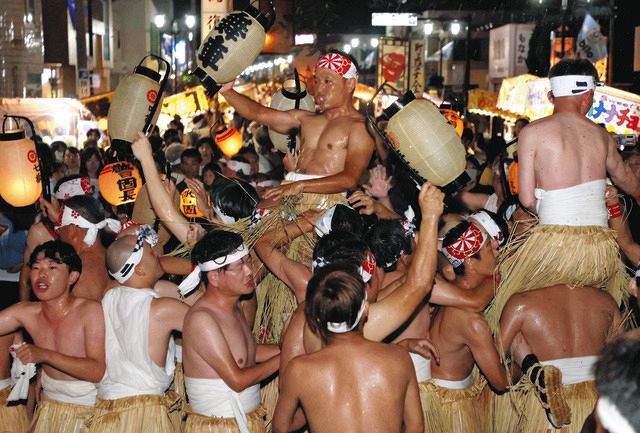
178	353
422	367
454	384
293	176
69	391
574	370
212	397
579	205
5	383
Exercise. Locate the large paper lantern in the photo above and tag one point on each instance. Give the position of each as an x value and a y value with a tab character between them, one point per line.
136	103
231	46
119	183
20	182
189	204
286	99
427	142
228	139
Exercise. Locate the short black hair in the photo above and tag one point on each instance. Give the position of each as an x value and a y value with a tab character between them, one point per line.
236	199
171	136
212	166
347	219
573	67
156	143
452	236
348	56
341	247
208	140
213	245
88	207
388	241
85	155
618	377
59	252
190	153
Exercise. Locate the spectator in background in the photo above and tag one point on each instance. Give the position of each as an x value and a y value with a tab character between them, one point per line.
211	176
520	123
58	171
190	160
72	160
208	150
173	153
58	148
91	165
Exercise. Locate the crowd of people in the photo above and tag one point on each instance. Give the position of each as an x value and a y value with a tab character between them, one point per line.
323	290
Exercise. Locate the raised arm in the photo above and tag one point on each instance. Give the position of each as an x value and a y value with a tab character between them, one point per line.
279	121
526	170
391	312
449	295
621	174
162	203
484	352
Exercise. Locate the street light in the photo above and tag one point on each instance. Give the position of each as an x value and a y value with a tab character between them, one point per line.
346	48
355	42
455	28
428	28
190	21
159	20
374	42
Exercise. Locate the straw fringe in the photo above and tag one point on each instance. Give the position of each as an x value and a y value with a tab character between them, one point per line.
177	416
56	417
13	418
548	255
212	424
140	413
269	394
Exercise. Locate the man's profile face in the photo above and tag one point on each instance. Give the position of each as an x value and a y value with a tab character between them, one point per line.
190	167
49	279
238	277
331	89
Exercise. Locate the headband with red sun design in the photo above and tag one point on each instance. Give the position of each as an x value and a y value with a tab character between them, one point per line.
465	246
339	64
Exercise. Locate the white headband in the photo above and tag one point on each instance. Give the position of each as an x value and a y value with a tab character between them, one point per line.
323	224
268	183
226	219
338	64
343	327
572	85
239	166
408	223
611	418
74	187
71	216
144	233
487	223
365	270
193	279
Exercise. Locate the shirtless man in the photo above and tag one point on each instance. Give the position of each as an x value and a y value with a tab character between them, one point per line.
335	148
334	385
553	325
137	374
68	335
81	219
223	366
463	338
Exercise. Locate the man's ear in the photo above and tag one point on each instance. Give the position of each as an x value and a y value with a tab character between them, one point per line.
213	277
73	278
351	84
550	96
448	273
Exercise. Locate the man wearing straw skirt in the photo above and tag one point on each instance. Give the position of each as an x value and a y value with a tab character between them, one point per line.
68	335
13	417
139	345
566	328
223	366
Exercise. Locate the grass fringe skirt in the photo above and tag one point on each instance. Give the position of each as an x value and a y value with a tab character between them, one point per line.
56	417
212	424
13	418
140	413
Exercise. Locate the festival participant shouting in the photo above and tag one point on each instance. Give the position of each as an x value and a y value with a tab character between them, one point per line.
68	335
223	365
139	345
338	379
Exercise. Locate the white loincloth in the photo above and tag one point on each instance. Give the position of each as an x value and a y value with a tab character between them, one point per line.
178	353
78	392
293	176
579	205
212	397
454	384
422	366
574	370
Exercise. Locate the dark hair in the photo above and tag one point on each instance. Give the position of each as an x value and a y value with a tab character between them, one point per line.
388	241
573	67
156	143
47	158
57	166
171	136
212	166
190	153
73	150
348	56
58	145
334	295
522	120
66	179
341	247
85	155
236	199
213	245
618	377
59	252
208	140
347	219
452	236
88	207
467	135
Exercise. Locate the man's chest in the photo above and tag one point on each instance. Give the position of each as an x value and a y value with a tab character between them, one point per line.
322	134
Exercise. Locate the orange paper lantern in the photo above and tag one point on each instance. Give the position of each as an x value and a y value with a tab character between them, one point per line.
454	119
229	140
512	176
189	204
21	182
119	183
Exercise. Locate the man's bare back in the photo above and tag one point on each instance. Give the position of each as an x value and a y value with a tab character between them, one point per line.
355	385
561	322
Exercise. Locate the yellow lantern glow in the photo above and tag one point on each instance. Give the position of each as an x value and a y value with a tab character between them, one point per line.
454	119
21	182
189	204
229	140
119	183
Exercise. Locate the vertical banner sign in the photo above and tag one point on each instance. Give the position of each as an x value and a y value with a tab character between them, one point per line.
393	63
636	51
523	36
416	69
211	12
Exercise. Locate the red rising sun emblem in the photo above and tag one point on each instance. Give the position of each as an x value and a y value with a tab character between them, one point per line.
32	156
151	96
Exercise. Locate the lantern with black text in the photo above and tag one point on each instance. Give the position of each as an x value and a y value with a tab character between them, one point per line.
228	139
231	46
288	98
427	142
119	183
136	103
189	204
21	181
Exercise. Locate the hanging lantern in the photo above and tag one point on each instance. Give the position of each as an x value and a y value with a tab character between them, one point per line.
454	119
228	139
231	46
424	139
136	102
119	183
293	95
189	204
21	182
514	180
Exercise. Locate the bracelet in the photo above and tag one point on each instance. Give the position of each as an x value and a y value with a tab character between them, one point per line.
614	211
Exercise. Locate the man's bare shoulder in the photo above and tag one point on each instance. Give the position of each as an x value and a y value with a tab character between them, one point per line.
198	315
